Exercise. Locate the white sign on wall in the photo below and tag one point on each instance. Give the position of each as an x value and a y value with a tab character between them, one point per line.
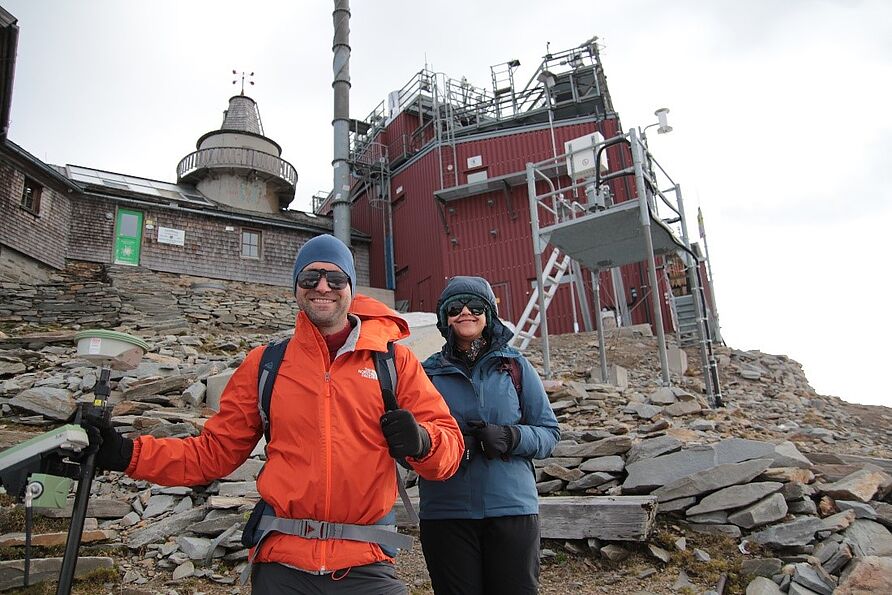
168	235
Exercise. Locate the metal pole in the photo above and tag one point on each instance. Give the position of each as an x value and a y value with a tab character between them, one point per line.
655	298
695	294
619	296
78	514
98	412
579	282
389	269
573	297
554	152
602	352
537	260
340	204
710	279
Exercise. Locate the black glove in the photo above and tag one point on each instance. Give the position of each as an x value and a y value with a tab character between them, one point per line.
113	451
495	440
404	436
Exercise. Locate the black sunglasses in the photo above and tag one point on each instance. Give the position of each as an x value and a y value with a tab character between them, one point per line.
309	279
455	307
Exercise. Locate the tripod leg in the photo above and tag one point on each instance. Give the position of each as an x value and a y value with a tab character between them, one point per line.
78	514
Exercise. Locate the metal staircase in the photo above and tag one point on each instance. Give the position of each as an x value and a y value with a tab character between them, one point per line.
558	264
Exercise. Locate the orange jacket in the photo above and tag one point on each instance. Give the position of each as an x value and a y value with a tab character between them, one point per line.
327	458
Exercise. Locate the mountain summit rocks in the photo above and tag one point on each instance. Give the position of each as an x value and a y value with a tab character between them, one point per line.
802	475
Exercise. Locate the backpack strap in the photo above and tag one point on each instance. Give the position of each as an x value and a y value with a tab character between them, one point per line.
385	368
511	365
270	362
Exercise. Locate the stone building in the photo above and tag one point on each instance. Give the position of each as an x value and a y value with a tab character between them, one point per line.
225	217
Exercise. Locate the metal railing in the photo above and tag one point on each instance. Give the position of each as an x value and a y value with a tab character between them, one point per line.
456	106
239	157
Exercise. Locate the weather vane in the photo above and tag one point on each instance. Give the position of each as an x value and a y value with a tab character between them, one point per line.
249	75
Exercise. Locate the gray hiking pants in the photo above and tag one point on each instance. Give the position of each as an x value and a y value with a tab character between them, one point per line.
372	579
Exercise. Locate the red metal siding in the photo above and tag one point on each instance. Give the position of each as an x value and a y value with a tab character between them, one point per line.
488	235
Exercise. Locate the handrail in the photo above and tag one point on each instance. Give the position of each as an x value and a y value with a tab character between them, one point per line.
237	157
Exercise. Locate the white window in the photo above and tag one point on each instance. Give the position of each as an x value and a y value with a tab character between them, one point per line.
250	243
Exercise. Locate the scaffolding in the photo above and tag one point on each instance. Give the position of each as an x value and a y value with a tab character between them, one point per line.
578	220
565	84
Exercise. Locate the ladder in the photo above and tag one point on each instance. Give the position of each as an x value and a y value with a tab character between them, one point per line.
554	270
688	332
503	88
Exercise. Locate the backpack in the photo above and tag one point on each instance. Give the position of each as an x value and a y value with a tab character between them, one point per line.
263	520
512	367
385	368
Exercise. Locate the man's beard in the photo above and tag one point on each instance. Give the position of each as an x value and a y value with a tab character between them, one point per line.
325	320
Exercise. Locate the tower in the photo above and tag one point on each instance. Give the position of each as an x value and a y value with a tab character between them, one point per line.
237	165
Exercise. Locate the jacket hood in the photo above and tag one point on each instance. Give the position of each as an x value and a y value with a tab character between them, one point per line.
379	319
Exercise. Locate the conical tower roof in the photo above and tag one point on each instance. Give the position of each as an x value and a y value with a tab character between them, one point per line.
242	115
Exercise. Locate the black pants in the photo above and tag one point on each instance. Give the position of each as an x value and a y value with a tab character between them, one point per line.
492	556
371	579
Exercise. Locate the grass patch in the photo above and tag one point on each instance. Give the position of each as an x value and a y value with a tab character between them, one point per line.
12	519
725	558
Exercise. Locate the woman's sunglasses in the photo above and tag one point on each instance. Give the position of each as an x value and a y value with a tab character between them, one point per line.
454	308
309	279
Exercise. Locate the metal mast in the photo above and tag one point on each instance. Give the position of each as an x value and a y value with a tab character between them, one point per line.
341	124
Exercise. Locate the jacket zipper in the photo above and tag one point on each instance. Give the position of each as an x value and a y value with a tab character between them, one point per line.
327	421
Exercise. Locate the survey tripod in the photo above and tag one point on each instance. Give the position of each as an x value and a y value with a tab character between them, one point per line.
40	471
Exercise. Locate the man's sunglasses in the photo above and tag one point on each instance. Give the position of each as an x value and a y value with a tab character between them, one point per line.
309	279
455	307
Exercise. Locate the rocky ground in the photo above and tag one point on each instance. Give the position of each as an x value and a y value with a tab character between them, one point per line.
794	484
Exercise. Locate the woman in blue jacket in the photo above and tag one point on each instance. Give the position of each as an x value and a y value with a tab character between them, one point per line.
480	528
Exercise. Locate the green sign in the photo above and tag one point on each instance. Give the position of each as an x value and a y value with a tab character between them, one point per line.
128	237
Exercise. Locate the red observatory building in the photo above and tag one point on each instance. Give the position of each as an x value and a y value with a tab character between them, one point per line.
439	184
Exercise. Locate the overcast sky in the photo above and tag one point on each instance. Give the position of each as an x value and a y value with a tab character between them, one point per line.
781	111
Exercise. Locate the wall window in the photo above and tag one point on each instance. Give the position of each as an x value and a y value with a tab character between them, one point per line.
250	243
31	196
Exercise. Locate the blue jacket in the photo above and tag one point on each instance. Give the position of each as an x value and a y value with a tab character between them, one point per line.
490	488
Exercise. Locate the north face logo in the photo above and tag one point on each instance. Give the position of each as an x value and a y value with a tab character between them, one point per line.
368	373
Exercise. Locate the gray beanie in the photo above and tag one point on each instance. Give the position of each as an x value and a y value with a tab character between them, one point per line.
324	248
464	286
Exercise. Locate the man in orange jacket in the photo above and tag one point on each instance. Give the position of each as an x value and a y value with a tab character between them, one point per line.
331	442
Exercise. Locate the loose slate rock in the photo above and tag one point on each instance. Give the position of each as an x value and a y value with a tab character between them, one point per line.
649	474
870	574
611	464
814	578
712	479
773	508
787	455
165	528
52	403
608	446
653	447
869	538
861	485
735	497
798	532
763	586
862	510
184	570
